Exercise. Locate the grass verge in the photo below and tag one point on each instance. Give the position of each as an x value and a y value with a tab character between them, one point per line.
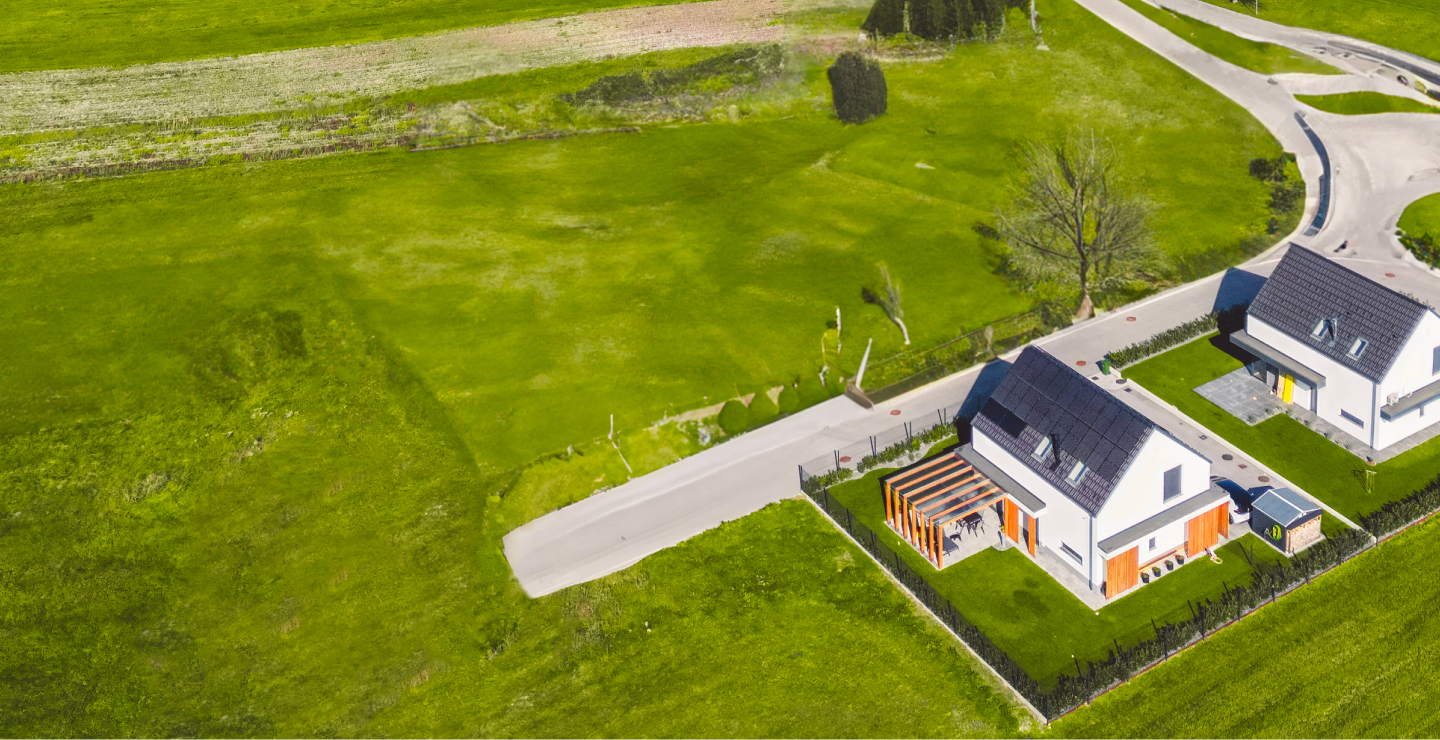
1255	56
1364	103
1407	25
1286	446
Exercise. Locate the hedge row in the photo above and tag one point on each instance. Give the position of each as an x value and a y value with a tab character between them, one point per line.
900	449
1397	515
1230	318
816	483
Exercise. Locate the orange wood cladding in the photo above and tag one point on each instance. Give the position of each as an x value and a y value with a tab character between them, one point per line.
1030	533
1122	571
1205	529
1012	520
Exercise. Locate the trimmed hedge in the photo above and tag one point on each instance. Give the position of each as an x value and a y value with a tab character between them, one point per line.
1230	319
900	449
1397	515
817	483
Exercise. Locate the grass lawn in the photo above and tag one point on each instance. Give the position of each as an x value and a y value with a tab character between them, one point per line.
1422	218
93	33
1031	616
1362	103
539	287
1351	655
1255	56
1407	25
1280	442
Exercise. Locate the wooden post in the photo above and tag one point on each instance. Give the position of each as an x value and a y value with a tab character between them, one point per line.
940	555
889	504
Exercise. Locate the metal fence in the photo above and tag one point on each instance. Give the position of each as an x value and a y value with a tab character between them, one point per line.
907	371
850	455
1268	584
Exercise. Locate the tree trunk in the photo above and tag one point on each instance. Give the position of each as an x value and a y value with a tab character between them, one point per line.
1087	308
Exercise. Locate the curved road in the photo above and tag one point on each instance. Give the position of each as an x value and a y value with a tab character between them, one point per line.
1380	163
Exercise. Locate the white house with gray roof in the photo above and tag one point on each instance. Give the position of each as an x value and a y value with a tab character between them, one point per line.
1355	353
1072	470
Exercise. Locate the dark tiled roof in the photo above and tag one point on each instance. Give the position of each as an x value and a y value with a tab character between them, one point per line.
1040	397
1306	287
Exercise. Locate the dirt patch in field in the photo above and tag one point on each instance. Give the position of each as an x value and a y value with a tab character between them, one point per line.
290	80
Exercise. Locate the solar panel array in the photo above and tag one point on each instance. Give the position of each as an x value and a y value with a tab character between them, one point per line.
1307	287
1042	397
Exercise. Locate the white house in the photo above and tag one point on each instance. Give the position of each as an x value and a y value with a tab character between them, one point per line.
1073	470
1359	355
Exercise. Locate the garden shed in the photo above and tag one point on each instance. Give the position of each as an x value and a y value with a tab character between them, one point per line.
1286	520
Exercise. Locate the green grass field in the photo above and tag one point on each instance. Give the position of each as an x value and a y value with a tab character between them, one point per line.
1364	103
1031	616
1407	25
1285	445
539	287
92	33
1422	217
1351	655
1252	55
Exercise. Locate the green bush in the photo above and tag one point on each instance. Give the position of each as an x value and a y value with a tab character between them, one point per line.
762	409
858	87
734	417
937	20
1397	515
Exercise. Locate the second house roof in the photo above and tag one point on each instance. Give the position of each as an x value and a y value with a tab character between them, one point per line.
1306	288
1041	397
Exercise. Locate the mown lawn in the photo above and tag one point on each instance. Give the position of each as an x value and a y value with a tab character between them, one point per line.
1255	56
1288	447
1351	655
1035	619
1407	25
1363	103
95	33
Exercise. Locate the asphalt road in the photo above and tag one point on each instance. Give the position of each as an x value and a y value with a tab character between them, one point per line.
1381	164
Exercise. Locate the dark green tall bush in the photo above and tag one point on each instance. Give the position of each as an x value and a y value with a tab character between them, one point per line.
734	417
858	87
762	409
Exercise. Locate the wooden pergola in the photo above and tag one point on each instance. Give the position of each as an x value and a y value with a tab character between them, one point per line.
921	500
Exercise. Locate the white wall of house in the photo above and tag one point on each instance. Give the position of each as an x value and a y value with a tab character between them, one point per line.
1345	389
1140	493
1062	521
1412	371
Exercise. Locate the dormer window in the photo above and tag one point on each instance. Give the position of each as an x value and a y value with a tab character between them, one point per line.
1043	449
1320	327
1359	347
1076	473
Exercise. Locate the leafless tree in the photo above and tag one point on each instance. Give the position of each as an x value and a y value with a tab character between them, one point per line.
1071	222
889	301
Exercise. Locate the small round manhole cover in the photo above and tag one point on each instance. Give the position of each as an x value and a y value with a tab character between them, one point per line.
1121	381
1389	274
1243	466
1129	318
1264	479
844	459
1080	363
895	412
1227	456
1094	377
1204	437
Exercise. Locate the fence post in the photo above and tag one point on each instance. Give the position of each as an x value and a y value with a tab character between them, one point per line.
873	449
837	459
907	432
802	475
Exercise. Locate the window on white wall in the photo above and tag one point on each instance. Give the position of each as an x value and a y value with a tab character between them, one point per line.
1172	483
1066	549
1435	361
1152	543
1353	419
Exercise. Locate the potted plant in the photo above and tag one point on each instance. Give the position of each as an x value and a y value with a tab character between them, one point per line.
1144	577
1156	571
1169	565
1179	559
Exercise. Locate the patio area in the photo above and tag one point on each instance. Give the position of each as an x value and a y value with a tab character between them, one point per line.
1249	399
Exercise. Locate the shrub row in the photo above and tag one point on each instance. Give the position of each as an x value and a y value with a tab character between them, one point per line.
1423	247
1397	515
970	348
900	449
817	483
1230	319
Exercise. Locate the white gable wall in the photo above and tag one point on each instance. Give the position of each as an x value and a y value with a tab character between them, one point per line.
1062	520
1411	372
1140	493
1345	389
